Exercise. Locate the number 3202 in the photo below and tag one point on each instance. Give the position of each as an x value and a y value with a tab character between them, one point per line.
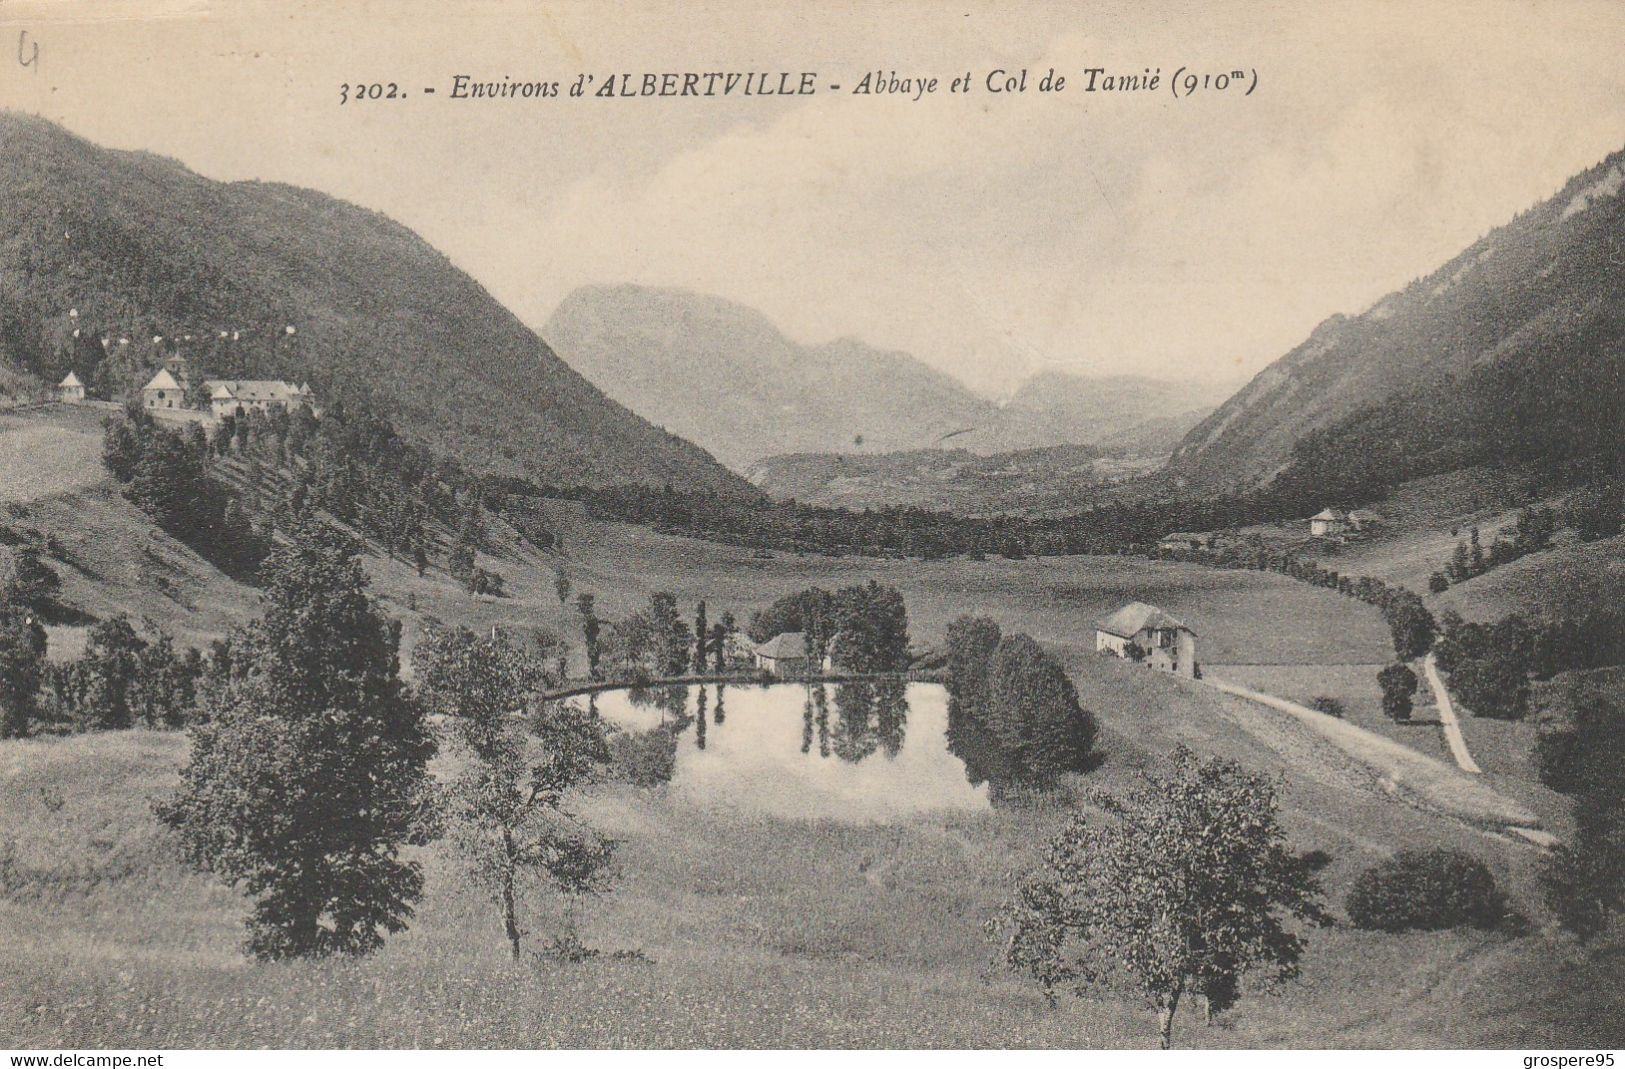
369	91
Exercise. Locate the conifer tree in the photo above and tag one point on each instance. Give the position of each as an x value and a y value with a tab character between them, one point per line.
309	772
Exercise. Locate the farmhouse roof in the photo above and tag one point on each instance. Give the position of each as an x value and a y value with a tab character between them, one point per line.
1330	514
71	380
162	381
1137	616
788	644
254	389
1366	516
1184	536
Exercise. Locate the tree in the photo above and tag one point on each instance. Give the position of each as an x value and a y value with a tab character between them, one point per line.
26	580
166	685
1398	684
1410	624
508	820
724	629
309	771
22	666
1189	889
1494	685
701	634
590	627
561	585
420	557
1032	708
111	672
870	631
1583	881
1438	583
670	635
972	641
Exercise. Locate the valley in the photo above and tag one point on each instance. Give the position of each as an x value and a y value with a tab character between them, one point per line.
788	656
756	919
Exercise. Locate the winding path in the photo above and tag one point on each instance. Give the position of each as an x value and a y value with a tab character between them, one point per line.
1447	717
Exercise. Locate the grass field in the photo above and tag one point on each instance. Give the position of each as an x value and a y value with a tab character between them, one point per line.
1355	685
761	932
1238	616
47	451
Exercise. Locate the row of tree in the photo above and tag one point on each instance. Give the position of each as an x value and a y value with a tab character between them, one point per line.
165	474
1582	755
1490	664
860	628
1410	625
1531	534
1013	713
309	771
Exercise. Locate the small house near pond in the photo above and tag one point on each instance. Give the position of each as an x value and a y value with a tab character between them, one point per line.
1144	633
785	655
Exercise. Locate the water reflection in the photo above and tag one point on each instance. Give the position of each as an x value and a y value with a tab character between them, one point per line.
870	751
871	716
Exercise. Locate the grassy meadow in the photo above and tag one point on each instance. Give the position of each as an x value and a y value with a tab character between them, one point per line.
751	931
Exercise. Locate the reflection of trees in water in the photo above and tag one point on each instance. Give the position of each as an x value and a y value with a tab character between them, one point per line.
821	704
699	718
986	760
807	721
871	715
671	699
719	715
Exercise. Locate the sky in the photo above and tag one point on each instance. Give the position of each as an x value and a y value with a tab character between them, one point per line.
991	235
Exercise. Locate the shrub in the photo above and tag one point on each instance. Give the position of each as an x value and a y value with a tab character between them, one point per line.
1398	683
1328	705
1426	890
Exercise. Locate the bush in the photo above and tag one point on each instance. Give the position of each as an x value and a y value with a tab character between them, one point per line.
1398	684
1426	890
1328	705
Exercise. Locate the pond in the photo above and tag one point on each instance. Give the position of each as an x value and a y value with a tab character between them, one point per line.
858	752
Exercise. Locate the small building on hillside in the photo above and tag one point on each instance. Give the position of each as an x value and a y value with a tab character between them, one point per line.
1184	542
238	397
1328	523
1144	633
70	391
1365	520
163	391
784	655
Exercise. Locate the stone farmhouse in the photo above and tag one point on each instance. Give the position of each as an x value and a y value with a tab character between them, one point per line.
168	389
1331	523
1328	523
1143	632
238	397
786	655
1184	542
163	391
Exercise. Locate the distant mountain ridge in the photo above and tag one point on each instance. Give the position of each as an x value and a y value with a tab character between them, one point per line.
138	245
1131	413
1521	333
722	375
